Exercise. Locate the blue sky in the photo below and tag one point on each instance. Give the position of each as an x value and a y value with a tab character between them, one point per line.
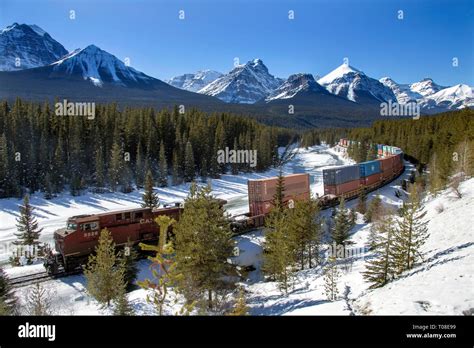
214	32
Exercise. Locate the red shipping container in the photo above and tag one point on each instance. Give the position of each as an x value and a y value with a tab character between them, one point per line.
341	188
264	189
370	180
258	208
387	163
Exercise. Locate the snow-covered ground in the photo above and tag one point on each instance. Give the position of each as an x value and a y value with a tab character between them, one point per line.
442	285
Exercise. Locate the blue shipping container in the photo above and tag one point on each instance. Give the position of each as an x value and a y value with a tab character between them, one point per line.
369	168
379	147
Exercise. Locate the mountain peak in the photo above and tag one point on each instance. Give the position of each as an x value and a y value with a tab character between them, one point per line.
99	66
246	83
296	83
340	71
24	46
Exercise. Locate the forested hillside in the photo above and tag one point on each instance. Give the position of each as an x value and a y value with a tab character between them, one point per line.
444	144
115	149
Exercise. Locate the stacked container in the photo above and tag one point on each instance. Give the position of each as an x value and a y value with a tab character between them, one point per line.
369	172
341	180
261	192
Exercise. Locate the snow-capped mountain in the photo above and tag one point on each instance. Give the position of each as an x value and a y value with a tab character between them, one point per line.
351	83
25	46
431	96
402	92
194	82
99	66
246	83
455	97
426	87
297	83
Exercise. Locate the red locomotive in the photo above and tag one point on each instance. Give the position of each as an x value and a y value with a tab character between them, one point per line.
77	240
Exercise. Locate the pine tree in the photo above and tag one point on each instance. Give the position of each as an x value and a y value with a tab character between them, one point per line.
279	195
362	203
176	178
139	167
150	197
189	164
305	232
163	177
27	226
374	210
122	306
116	167
203	246
99	168
411	234
164	271
331	277
279	262
381	269
7	296
128	258
342	225
39	301
240	307
104	274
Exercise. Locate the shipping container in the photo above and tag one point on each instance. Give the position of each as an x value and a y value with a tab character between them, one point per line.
369	168
380	147
264	207
340	175
264	189
370	180
341	188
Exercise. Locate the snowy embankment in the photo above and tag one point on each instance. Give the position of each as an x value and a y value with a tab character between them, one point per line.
443	284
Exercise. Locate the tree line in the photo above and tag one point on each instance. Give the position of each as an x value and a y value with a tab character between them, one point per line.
116	149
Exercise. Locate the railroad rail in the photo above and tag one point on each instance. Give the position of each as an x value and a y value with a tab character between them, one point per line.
39	277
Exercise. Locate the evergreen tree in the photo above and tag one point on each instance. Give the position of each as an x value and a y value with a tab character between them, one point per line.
122	306
371	153
7	297
331	277
240	307
164	272
305	232
27	226
412	233
163	177
189	164
139	167
116	167
104	274
39	301
150	197
362	203
342	224
176	178
203	246
279	257
279	192
99	168
374	210
128	258
381	269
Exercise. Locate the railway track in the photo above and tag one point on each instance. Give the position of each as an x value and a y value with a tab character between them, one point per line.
40	277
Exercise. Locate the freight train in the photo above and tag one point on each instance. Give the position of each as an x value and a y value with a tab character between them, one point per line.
347	181
77	240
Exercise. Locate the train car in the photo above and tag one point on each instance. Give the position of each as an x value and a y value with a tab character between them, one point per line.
75	242
263	190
